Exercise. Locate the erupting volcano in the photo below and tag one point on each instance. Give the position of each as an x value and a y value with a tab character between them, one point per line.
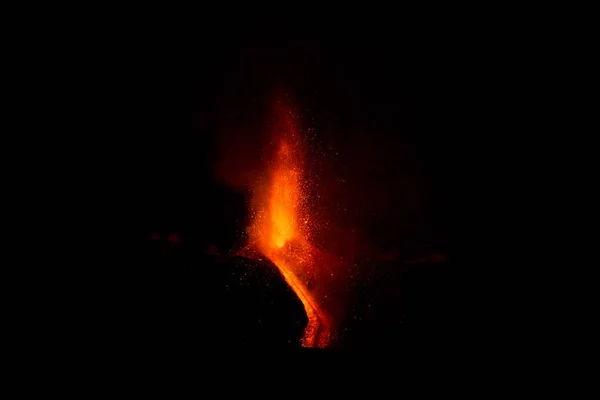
281	223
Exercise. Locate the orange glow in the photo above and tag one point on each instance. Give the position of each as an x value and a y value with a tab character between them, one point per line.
281	223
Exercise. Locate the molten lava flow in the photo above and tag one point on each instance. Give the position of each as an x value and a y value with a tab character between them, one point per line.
281	226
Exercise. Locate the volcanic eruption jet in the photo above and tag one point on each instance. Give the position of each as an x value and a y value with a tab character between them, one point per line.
281	223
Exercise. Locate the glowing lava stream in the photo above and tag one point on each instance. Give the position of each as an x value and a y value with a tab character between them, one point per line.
280	227
317	332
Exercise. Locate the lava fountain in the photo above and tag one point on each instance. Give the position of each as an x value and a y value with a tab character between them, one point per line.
281	222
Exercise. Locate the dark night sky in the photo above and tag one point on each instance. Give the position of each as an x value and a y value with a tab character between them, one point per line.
403	103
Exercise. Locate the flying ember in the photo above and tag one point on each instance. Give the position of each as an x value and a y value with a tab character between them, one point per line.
281	223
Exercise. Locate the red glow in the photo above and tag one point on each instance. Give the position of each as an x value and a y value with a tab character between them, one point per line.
282	223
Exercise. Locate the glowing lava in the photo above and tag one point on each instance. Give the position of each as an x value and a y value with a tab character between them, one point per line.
281	226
